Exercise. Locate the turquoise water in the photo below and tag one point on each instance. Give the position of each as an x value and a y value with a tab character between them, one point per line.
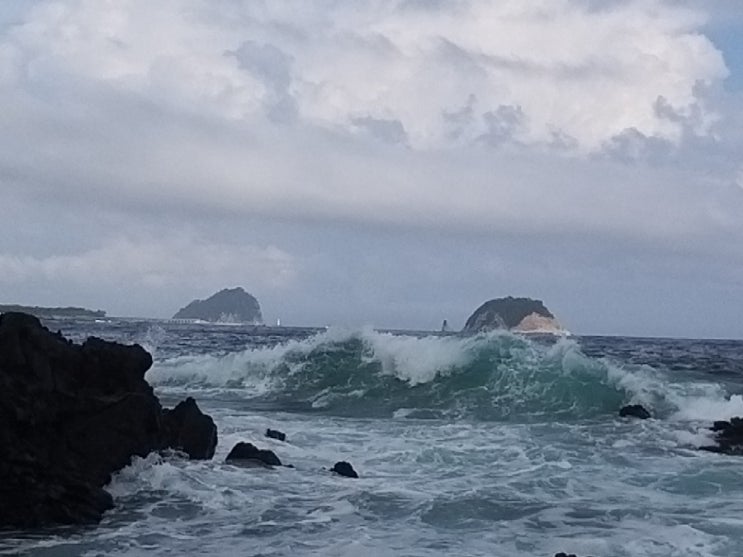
485	445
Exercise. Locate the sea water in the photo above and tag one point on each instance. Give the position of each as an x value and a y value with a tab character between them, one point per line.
493	444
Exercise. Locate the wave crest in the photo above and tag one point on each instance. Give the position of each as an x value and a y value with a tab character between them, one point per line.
494	376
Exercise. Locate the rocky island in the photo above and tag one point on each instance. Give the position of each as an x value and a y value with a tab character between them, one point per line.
522	315
54	313
231	305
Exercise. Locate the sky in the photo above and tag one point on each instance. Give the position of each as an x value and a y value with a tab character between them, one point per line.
390	163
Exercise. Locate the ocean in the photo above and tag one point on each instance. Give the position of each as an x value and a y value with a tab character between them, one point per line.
486	445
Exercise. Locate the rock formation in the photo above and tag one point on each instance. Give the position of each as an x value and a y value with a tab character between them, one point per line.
344	468
729	437
515	314
276	434
231	305
634	411
247	453
71	415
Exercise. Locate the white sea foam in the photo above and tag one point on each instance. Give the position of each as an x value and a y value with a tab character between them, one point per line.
713	405
525	373
413	359
419	359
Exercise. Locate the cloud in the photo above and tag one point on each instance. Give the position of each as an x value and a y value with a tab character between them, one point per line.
566	66
597	127
157	264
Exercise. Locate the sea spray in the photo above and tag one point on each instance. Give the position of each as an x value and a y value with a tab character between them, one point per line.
569	476
490	377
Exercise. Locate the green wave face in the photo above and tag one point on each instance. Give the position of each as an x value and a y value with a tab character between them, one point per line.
490	377
494	378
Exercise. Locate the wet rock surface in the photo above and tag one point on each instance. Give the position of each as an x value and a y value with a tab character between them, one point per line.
344	468
276	434
634	411
729	437
71	415
247	453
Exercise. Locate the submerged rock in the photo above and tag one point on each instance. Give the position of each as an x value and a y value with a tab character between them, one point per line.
276	434
344	468
249	452
634	411
729	437
70	416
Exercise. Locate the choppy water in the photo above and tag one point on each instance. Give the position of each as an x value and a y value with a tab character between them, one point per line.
484	445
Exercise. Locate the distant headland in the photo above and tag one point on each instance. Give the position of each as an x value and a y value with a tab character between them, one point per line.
523	315
54	313
231	305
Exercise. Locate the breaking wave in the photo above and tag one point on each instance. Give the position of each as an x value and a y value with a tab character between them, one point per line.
491	377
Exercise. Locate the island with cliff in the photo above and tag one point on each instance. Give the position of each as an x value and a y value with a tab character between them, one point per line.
521	315
231	305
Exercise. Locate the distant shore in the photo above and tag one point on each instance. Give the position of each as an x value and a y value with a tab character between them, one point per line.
55	313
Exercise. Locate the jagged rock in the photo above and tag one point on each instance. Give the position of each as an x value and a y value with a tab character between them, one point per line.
249	452
276	434
188	429
516	314
70	416
729	437
343	468
231	305
634	411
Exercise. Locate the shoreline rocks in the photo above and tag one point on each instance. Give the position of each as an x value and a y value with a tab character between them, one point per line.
71	415
344	468
634	411
247	453
729	437
275	434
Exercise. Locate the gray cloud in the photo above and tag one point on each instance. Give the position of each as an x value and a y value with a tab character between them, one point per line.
353	164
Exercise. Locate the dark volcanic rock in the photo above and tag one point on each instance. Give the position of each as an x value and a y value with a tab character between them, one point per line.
249	452
634	411
729	437
276	434
70	416
188	429
508	313
344	468
232	305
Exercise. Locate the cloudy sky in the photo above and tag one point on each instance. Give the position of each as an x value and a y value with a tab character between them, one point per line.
385	162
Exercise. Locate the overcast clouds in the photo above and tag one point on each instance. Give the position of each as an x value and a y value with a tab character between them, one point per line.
384	162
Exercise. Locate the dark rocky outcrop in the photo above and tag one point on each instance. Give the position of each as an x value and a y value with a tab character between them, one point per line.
729	437
70	416
188	429
344	468
634	411
232	305
276	434
247	453
519	314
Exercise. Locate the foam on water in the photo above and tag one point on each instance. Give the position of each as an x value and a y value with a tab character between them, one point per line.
529	457
494	376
